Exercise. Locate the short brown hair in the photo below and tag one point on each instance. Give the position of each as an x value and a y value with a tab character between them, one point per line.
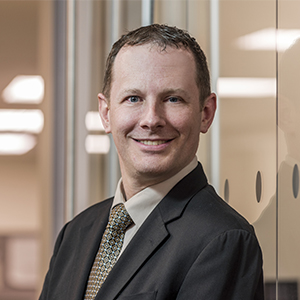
162	36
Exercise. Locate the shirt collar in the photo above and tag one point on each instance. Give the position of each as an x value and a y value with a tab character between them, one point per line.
141	204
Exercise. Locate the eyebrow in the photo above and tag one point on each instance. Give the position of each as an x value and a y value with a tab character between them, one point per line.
175	91
132	91
163	92
179	90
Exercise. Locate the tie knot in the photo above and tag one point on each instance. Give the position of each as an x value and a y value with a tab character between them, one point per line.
119	217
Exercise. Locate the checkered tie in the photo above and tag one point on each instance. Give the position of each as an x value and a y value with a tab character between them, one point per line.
109	249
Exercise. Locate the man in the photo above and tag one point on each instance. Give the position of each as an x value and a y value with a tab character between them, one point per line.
182	240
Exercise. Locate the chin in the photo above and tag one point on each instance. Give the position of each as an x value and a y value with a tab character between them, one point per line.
156	172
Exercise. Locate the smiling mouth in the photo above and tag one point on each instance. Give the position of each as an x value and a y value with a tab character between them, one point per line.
152	143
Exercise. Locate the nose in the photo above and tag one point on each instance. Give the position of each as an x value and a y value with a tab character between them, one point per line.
152	116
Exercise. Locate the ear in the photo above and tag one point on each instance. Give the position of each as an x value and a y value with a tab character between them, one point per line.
104	111
208	112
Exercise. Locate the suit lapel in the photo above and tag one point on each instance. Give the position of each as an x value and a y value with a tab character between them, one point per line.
152	234
173	205
143	244
88	241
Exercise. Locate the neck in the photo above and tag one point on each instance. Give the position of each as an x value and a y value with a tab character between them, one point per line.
132	187
133	183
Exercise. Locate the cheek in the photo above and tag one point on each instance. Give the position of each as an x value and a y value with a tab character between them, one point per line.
186	123
122	122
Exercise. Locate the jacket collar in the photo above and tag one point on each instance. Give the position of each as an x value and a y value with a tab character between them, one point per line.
152	234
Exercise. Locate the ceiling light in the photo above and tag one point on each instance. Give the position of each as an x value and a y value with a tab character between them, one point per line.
24	89
265	39
16	143
21	120
244	87
93	121
97	144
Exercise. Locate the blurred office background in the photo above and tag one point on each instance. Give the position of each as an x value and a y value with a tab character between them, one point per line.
55	159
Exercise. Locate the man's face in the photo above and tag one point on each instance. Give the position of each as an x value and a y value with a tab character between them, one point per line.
153	112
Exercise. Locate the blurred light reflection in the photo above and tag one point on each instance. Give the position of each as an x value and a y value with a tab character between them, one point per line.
93	121
265	39
97	144
16	143
21	120
24	89
241	87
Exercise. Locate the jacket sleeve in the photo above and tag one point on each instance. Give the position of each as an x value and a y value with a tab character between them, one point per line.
229	268
44	293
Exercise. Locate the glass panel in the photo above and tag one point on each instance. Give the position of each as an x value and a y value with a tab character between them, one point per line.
26	144
288	149
247	107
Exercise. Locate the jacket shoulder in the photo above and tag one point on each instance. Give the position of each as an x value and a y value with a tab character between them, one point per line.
216	213
98	211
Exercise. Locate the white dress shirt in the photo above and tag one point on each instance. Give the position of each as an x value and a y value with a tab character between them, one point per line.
141	204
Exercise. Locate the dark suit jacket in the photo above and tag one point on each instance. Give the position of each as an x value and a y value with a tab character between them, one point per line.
192	246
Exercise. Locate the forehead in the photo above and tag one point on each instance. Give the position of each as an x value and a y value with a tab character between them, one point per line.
144	61
148	52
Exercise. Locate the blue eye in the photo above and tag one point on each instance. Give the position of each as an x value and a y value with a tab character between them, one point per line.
174	99
133	99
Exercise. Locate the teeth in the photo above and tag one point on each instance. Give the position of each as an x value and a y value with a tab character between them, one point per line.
152	143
